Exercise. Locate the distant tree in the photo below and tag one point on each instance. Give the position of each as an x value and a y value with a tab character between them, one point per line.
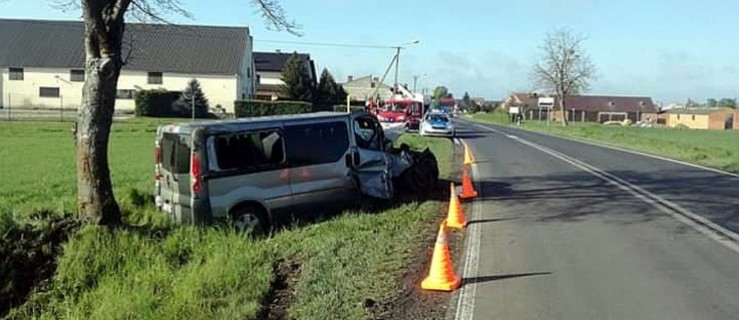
298	85
440	92
727	103
450	95
692	104
565	68
711	103
184	104
466	99
328	93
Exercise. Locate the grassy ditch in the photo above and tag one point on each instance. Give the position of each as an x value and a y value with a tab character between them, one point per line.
717	149
335	269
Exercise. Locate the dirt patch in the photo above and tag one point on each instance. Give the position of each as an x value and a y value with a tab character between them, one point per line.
28	254
410	301
282	291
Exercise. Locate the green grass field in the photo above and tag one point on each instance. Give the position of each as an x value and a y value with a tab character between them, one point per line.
717	149
160	271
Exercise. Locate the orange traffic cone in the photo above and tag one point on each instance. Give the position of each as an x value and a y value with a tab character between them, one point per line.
441	275
468	191
455	217
468	158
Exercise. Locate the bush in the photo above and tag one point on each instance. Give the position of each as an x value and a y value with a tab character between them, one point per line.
352	108
261	108
156	103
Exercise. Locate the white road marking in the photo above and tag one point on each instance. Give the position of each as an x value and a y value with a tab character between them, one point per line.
457	141
612	147
714	231
466	301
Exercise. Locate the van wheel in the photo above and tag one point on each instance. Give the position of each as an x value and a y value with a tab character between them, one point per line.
249	219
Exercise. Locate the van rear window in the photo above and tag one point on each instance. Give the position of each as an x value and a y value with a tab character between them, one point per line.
175	154
251	151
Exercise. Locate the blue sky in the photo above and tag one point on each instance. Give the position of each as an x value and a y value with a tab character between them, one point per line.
670	50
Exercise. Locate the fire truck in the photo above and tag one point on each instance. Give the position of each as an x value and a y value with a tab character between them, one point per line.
409	112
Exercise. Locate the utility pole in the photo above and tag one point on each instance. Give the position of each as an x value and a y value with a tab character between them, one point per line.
415	81
397	63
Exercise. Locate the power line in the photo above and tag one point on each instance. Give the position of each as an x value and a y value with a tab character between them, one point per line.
326	44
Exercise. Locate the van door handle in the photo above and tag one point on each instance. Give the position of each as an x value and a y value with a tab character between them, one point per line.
357	159
348	160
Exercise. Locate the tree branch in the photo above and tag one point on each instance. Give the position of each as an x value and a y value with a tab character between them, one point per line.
275	16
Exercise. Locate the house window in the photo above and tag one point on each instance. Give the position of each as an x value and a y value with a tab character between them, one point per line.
48	92
248	72
155	78
77	75
125	94
16	74
693	117
678	117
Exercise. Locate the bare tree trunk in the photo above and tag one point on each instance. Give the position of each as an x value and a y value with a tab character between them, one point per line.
103	40
562	109
95	200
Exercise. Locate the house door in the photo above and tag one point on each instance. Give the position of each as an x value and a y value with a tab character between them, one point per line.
729	124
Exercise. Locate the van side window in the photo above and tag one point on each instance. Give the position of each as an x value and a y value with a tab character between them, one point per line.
251	151
313	144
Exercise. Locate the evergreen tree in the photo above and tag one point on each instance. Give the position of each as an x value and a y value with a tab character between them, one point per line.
298	85
183	105
329	93
466	99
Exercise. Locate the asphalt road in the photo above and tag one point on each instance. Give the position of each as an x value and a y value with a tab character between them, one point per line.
566	230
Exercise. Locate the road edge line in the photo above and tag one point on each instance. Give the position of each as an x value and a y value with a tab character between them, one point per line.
617	148
465	306
699	223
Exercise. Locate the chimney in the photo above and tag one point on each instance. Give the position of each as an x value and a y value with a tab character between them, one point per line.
349	78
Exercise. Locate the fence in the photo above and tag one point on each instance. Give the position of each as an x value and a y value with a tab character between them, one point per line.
19	107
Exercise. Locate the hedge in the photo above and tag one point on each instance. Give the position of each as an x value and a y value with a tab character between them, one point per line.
156	103
261	108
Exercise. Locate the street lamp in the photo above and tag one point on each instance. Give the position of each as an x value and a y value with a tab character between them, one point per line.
61	97
415	80
397	60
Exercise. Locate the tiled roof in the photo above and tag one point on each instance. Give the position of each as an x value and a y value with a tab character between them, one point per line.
149	47
698	110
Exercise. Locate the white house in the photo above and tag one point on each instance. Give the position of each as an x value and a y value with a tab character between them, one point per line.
366	88
42	63
269	66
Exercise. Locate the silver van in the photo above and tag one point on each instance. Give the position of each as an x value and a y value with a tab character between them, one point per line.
250	170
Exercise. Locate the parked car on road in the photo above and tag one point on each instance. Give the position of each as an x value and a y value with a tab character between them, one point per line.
250	170
437	124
